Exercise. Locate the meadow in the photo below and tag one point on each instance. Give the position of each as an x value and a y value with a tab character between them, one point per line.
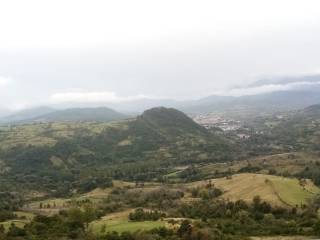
119	222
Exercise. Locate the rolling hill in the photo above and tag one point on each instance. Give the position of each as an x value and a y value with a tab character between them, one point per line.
25	115
100	114
312	112
135	149
46	114
301	130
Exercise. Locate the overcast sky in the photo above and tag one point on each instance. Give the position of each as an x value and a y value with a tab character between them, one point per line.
65	50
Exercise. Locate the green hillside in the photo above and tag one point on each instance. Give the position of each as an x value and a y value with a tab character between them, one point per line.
84	155
301	130
170	121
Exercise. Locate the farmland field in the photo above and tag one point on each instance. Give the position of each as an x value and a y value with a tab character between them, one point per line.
119	222
291	192
276	190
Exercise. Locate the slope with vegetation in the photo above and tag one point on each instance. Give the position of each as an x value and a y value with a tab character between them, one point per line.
82	156
279	191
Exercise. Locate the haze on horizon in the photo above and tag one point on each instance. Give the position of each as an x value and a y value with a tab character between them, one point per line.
53	52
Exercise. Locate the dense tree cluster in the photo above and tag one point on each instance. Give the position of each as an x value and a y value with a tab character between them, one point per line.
144	215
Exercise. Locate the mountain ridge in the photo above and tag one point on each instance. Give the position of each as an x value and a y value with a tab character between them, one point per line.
46	114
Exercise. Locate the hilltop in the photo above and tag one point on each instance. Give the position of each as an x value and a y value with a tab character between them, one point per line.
171	121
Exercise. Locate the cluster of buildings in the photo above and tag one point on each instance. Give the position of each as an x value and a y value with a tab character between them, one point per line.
212	120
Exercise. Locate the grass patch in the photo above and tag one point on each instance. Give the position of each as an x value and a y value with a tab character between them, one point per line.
17	223
119	222
25	215
291	192
125	226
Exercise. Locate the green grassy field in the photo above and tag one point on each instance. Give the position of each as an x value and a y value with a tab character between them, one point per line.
291	192
125	226
25	215
119	222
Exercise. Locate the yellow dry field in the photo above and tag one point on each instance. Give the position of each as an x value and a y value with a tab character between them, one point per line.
278	191
247	186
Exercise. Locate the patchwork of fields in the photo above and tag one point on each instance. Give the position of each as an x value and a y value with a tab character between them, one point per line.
278	191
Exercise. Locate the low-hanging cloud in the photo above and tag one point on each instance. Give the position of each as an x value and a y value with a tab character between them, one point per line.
267	88
92	97
82	96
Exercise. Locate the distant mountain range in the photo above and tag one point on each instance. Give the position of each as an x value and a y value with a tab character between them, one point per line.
271	96
46	114
285	94
256	104
262	97
25	115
